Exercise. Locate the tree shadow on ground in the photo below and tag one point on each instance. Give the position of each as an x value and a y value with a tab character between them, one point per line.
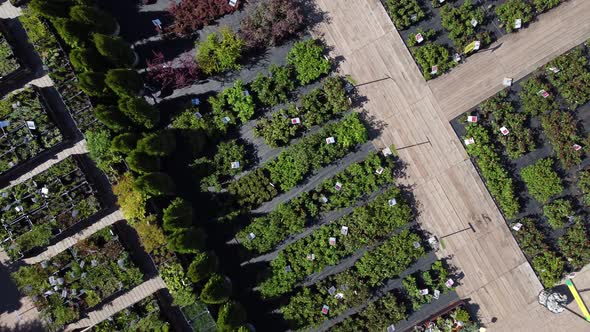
34	326
10	299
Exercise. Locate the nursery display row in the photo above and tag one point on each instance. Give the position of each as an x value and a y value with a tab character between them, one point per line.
441	33
146	315
60	71
35	211
417	289
364	227
528	143
27	128
9	63
79	279
341	190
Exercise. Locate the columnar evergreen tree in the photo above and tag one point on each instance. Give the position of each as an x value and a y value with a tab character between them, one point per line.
93	83
99	20
155	184
162	143
217	290
203	265
139	111
125	142
124	82
115	49
86	59
141	162
187	241
178	215
231	316
112	117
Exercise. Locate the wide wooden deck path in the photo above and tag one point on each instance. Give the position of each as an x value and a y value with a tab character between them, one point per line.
497	277
515	56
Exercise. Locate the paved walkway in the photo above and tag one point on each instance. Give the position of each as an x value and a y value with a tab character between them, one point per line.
124	301
498	279
66	243
78	148
517	55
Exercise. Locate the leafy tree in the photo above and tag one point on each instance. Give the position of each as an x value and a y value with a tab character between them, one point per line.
124	82
98	143
187	241
111	117
142	162
115	49
203	265
271	22
308	60
155	184
93	83
541	180
230	317
86	59
557	212
511	10
161	143
217	290
178	215
219	52
402	11
99	20
139	111
131	201
125	142
178	284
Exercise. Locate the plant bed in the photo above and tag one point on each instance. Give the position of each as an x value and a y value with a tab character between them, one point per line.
365	226
360	179
538	155
442	34
34	211
29	130
145	315
9	63
398	304
355	284
290	168
55	59
456	318
79	279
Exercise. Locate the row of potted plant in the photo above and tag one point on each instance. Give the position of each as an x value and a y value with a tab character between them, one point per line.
365	226
36	210
59	68
356	181
28	128
400	303
330	297
144	315
296	162
79	279
9	62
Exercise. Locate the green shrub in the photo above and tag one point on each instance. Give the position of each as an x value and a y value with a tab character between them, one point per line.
457	21
428	35
550	268
161	143
234	102
430	55
139	111
72	32
86	59
575	245
541	180
112	117
124	82
308	60
203	265
511	10
115	49
274	89
533	103
125	142
155	184
544	5
573	79
401	12
230	317
99	20
217	290
557	212
93	83
219	52
187	241
142	162
584	185
49	9
98	143
561	128
179	285
178	215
